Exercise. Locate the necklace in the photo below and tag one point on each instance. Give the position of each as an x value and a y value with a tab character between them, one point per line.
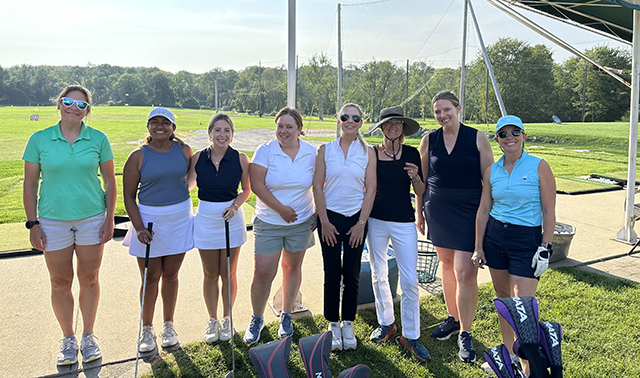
384	150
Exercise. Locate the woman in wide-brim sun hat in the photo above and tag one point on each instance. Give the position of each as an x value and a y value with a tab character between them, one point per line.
392	220
156	173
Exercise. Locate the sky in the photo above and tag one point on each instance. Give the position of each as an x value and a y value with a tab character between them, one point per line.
200	35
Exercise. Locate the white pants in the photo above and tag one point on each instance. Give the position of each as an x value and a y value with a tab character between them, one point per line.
404	238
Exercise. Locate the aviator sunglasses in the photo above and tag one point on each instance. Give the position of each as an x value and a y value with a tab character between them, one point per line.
503	134
82	105
345	117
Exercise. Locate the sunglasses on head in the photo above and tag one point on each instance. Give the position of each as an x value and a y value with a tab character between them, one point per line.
503	134
82	105
345	117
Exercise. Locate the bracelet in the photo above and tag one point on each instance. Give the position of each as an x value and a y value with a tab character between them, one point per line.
234	205
360	221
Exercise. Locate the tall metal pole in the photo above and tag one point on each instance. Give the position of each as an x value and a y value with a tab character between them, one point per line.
488	62
259	88
627	233
291	66
216	94
463	64
406	91
339	102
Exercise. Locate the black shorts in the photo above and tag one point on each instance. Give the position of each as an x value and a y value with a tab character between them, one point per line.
511	247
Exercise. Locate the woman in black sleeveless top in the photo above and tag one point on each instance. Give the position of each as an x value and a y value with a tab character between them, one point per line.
218	170
453	159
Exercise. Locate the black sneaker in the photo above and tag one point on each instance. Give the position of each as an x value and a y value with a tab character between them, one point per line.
445	330
465	342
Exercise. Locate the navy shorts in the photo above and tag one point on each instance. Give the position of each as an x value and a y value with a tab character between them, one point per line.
511	247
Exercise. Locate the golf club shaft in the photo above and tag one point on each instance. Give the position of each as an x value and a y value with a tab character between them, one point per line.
144	287
226	234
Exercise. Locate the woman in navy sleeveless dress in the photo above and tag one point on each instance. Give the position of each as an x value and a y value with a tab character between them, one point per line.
453	159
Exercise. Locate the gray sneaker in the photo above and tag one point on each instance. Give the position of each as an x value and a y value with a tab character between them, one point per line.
89	348
467	352
336	339
68	354
252	334
225	329
286	326
212	334
147	339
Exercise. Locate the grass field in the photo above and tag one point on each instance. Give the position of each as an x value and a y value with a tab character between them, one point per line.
571	149
593	310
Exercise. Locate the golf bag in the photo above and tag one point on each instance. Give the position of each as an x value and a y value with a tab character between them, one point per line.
358	371
315	351
537	342
271	359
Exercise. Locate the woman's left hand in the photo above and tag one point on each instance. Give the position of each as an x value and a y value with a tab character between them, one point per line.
228	213
356	235
106	230
478	258
412	171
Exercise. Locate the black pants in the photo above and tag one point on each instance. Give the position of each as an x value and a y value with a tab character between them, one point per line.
339	266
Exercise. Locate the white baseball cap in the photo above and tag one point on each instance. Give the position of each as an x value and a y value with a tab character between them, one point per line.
162	112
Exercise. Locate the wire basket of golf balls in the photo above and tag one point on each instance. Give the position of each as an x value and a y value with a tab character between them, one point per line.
427	261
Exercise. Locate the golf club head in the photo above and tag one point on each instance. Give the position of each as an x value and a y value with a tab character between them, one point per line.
229	374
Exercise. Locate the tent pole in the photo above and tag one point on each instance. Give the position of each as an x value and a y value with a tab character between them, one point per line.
463	66
291	52
627	234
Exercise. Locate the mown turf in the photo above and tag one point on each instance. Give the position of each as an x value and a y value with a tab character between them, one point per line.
598	314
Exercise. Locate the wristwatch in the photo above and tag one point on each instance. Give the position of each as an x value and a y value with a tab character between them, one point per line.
29	224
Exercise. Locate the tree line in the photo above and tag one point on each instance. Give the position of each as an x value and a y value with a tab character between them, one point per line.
532	85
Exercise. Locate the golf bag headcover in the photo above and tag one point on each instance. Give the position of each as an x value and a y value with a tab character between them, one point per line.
358	371
315	351
499	360
271	359
522	315
551	339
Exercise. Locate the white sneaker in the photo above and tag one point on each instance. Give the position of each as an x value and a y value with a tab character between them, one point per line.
147	339
336	341
68	354
89	348
169	336
349	341
211	335
225	329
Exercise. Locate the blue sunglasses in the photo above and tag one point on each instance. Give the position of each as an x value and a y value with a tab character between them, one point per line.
82	105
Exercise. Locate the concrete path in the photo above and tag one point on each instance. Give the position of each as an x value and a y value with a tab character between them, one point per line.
29	333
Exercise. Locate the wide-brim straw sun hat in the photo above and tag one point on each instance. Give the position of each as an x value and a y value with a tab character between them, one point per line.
410	127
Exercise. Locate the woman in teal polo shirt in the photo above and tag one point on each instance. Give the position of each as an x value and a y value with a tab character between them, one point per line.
515	220
71	213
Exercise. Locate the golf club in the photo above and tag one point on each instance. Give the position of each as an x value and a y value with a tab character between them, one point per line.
144	287
233	358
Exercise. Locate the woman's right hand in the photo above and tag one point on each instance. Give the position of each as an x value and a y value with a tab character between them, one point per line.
37	238
329	233
478	258
288	214
144	236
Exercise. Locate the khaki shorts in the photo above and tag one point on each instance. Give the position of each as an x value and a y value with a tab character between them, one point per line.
62	233
271	238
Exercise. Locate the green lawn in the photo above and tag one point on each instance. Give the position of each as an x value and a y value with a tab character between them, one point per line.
598	314
571	149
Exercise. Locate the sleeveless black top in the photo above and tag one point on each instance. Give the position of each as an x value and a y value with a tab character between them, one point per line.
461	168
393	198
218	185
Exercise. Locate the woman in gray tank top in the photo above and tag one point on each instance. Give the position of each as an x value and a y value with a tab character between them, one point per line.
157	173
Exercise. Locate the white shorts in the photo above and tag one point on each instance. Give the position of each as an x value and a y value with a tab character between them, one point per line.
208	226
172	230
63	233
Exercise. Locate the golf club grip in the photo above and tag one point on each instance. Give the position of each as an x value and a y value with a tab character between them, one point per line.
226	235
146	255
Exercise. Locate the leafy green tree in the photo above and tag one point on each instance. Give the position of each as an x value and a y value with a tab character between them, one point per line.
129	90
318	73
161	92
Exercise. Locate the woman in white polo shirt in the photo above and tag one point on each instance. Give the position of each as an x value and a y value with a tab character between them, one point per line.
281	175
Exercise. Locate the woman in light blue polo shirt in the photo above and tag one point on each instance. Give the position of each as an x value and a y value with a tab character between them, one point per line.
516	219
71	213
